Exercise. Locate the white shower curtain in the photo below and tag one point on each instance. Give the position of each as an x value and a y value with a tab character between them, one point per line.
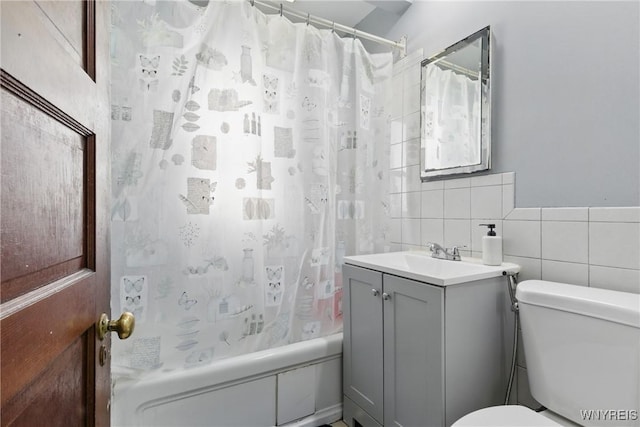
452	125
250	156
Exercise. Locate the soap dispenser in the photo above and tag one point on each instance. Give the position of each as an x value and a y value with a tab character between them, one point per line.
491	247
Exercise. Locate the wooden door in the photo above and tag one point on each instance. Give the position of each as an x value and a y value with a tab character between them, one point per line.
413	353
54	212
362	348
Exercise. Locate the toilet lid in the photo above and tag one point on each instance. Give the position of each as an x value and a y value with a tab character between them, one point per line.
505	416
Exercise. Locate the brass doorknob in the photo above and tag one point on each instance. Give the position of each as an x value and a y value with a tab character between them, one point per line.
123	326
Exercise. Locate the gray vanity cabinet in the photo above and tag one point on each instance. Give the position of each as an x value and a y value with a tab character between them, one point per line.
362	351
398	334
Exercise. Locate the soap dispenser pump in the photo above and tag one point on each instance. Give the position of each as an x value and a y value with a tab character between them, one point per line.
491	247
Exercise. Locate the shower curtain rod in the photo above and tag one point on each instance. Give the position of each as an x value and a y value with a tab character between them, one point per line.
333	25
458	68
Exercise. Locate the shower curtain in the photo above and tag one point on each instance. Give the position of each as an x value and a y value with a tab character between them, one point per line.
452	124
250	155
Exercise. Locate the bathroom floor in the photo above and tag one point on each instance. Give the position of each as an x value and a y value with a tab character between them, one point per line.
339	424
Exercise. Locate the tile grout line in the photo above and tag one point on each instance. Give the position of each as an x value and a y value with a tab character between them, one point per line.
541	245
589	247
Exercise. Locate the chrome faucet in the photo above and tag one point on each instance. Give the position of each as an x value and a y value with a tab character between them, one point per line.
450	254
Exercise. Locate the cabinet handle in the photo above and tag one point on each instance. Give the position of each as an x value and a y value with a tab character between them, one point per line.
386	296
375	292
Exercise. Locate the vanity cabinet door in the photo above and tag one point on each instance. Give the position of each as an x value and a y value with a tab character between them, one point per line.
413	353
363	349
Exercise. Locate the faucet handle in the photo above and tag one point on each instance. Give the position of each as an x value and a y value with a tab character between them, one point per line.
456	253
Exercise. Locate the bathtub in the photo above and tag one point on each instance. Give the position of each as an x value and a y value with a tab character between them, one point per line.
295	385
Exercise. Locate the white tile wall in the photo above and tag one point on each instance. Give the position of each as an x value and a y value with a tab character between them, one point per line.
411	205
508	198
566	272
525	214
457	203
411	152
432	231
585	246
486	202
530	268
411	126
614	244
622	279
457	232
433	185
411	178
486	180
565	214
395	181
395	156
395	130
411	234
411	100
433	204
509	178
521	238
565	240
412	73
628	214
457	183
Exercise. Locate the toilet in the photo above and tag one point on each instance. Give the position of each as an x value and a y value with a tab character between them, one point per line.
582	349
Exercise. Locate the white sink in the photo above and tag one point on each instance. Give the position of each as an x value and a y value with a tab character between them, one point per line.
420	266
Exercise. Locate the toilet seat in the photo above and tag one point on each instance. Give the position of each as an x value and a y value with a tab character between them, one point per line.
505	416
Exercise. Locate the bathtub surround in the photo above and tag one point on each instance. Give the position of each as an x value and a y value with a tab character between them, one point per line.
249	156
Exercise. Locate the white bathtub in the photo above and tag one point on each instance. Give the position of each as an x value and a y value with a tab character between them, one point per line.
296	385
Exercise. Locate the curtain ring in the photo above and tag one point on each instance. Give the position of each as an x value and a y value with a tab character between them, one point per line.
253	3
333	27
308	19
355	33
280	9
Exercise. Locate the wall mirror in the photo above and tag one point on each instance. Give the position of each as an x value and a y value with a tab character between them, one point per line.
455	109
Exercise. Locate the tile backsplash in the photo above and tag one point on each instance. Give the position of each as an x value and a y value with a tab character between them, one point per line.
597	247
587	246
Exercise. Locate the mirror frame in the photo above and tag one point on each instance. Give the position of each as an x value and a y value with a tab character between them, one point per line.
485	109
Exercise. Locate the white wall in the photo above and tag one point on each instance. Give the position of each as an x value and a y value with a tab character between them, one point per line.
566	114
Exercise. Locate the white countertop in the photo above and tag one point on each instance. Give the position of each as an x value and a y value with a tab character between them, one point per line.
419	265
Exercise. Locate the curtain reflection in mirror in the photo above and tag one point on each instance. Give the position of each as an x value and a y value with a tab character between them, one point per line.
452	119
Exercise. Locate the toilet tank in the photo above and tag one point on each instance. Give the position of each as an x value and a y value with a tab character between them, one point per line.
582	351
